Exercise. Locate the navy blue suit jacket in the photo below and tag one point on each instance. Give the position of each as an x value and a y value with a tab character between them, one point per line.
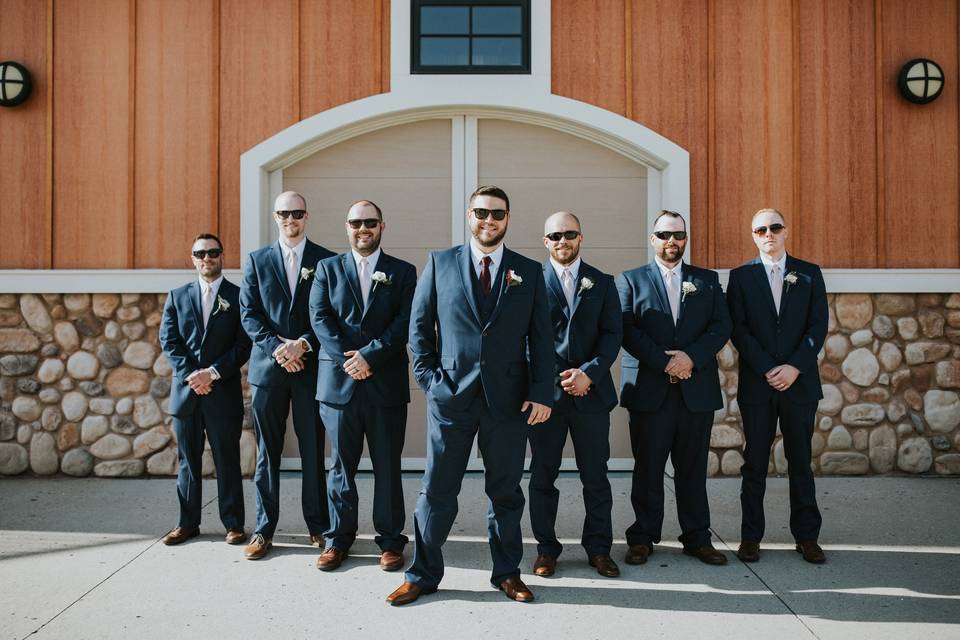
586	337
378	331
188	348
703	327
267	311
453	351
766	339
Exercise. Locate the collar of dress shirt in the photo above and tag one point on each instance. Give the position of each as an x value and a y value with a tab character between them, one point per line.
215	285
573	266
768	264
664	269
496	256
371	259
297	249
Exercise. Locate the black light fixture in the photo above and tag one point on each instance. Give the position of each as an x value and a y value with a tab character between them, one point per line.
15	84
921	81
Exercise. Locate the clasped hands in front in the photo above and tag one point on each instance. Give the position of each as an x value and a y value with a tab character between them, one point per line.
782	377
201	381
680	365
290	354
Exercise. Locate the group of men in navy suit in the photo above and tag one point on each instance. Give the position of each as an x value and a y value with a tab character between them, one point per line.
508	352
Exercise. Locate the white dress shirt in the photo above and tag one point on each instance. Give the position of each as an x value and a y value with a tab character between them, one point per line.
671	282
496	257
574	269
366	278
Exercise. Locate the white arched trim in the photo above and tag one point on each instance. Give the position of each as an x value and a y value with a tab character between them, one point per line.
668	164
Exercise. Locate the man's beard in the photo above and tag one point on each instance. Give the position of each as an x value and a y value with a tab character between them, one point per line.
570	260
365	251
492	242
666	258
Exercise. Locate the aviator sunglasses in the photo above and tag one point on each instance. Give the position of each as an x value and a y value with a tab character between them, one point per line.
556	235
666	235
483	214
296	214
200	254
369	223
775	229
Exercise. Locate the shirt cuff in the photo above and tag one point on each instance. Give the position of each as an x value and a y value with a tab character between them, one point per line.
306	345
214	373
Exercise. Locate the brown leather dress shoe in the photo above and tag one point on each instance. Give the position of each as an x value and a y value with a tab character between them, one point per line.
706	554
638	554
258	547
605	566
749	551
178	535
516	590
331	559
235	536
317	540
406	593
811	552
391	560
544	566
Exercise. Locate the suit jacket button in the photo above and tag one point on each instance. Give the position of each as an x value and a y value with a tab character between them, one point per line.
482	362
484	334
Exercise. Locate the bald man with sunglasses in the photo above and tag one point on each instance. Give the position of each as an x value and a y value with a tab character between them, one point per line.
283	369
779	309
675	321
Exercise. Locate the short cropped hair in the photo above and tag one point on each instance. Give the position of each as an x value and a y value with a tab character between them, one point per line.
209	236
770	210
672	214
369	202
490	190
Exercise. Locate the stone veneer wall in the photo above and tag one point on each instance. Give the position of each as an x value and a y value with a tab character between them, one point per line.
83	388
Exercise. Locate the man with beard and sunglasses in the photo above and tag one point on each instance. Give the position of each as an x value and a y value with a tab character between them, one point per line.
587	332
283	369
360	312
675	320
483	352
202	339
779	309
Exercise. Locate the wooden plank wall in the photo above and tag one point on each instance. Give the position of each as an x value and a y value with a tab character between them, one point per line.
786	103
142	108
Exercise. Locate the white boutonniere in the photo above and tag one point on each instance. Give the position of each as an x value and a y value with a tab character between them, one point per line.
790	278
513	280
585	285
380	277
688	289
305	273
222	305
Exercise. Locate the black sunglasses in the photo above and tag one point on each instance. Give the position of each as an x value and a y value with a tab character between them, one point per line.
483	214
666	235
296	214
200	254
369	223
775	229
556	235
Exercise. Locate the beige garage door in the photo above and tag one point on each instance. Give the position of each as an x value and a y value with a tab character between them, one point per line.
421	173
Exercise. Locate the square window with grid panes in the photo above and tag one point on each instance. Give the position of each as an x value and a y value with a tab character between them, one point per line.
470	36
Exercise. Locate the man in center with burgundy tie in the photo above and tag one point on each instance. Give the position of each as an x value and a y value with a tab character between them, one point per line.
478	311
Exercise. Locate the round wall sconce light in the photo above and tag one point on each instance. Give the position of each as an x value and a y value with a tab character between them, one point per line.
15	84
921	81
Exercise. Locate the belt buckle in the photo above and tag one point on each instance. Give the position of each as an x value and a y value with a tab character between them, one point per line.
674	379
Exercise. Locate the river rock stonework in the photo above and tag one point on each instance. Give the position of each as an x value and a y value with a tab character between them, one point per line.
82	375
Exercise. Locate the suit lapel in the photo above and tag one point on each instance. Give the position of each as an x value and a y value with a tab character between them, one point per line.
556	289
500	285
353	278
466	264
762	282
382	264
280	270
686	275
785	296
586	271
308	261
193	294
653	273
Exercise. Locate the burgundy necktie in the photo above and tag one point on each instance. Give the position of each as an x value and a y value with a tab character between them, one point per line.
485	275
